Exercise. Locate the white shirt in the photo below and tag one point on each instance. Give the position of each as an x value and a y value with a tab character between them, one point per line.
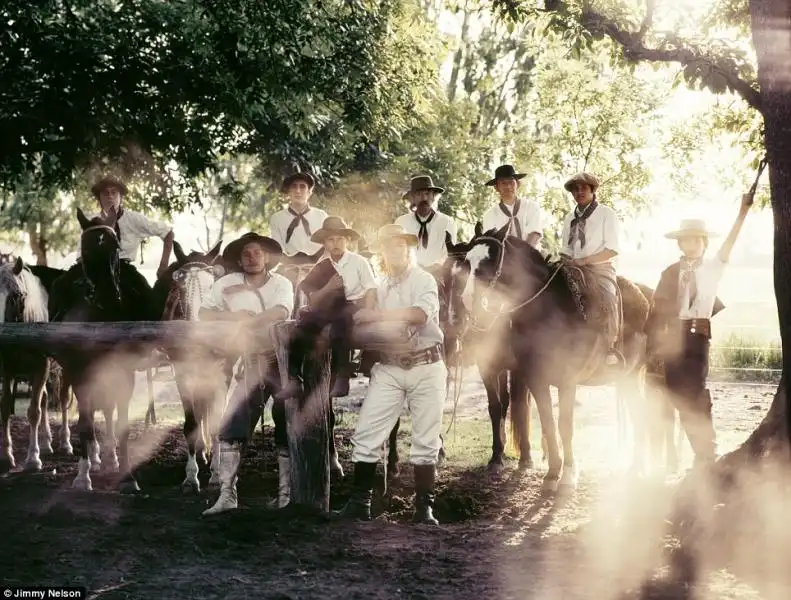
136	227
356	273
529	218
707	279
300	240
414	288
602	232
435	252
228	294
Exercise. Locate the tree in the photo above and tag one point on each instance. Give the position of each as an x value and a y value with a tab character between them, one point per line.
150	85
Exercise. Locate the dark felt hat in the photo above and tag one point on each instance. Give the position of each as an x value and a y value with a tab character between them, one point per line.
505	172
233	251
299	176
420	183
334	226
106	182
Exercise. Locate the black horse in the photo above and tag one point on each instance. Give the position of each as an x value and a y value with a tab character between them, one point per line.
102	378
550	338
200	376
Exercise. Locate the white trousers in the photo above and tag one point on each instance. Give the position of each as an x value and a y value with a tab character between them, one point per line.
423	388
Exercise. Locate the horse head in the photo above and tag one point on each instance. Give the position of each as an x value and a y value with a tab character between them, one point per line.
100	256
22	296
192	277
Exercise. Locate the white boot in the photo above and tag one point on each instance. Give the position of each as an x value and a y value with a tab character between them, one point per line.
228	459
284	477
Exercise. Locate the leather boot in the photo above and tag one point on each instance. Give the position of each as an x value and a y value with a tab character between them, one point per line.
228	459
359	505
284	480
424	494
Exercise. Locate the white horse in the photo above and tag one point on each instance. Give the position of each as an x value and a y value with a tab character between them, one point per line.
23	299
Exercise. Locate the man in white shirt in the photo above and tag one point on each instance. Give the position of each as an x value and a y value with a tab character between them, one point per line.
254	297
417	378
426	222
293	226
590	241
679	325
522	216
131	228
337	287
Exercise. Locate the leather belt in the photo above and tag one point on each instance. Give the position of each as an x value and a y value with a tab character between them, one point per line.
697	327
408	360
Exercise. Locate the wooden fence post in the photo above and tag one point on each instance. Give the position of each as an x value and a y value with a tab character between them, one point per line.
307	425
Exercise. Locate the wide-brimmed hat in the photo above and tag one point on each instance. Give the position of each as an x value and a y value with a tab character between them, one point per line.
233	251
106	182
691	228
394	231
585	178
299	176
334	226
505	172
420	183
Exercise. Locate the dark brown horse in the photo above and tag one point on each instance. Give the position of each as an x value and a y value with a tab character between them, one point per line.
101	378
180	292
549	337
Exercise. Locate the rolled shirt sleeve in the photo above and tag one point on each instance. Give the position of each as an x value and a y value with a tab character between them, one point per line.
366	274
276	232
612	232
283	295
564	237
426	296
147	227
533	220
452	229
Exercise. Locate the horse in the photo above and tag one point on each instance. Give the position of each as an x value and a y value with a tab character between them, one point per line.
101	378
180	291
549	337
23	299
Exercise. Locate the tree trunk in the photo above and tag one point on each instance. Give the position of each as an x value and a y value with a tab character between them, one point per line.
771	28
38	244
459	54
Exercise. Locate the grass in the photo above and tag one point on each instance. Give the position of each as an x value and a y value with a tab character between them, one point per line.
743	358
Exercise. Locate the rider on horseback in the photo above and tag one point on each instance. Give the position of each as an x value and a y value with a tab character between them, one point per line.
253	297
590	241
522	216
293	226
131	228
426	222
338	286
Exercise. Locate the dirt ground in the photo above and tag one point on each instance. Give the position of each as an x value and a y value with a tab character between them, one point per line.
500	538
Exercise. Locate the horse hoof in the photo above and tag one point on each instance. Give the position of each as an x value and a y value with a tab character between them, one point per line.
190	487
83	484
549	485
46	449
33	465
495	466
66	448
129	486
525	464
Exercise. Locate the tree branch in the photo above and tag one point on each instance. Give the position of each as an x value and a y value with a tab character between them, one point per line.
634	49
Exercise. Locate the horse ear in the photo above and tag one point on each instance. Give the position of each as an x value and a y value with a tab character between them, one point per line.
84	222
214	252
181	258
502	232
18	265
478	229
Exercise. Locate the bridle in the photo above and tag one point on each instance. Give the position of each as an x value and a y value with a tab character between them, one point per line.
91	292
186	284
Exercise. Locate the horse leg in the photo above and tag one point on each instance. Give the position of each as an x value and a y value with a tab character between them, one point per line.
549	433
520	420
64	395
128	484
85	429
151	415
6	410
34	414
497	415
668	433
46	432
393	469
110	460
214	414
336	470
566	400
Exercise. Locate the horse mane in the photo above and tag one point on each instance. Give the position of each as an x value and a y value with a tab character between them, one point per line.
30	286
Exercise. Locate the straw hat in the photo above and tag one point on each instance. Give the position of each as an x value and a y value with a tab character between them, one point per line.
395	231
691	228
